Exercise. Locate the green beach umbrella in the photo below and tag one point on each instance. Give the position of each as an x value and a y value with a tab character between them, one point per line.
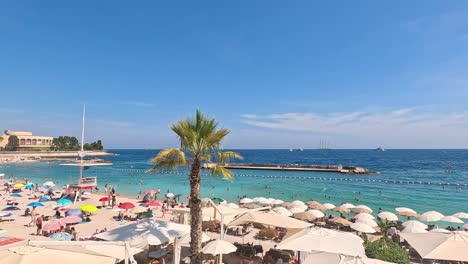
217	200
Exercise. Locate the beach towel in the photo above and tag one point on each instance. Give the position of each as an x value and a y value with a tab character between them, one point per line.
5	240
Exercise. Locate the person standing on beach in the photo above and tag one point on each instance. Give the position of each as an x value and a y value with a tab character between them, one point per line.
105	189
33	216
113	200
39	224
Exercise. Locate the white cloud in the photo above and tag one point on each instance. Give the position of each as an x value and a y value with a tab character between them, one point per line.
405	128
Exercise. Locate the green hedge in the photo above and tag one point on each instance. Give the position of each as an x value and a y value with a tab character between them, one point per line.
387	250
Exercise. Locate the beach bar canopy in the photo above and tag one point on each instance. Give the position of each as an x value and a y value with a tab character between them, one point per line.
31	254
148	232
439	246
317	239
331	258
269	218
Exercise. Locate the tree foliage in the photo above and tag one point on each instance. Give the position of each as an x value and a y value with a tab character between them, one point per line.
387	250
97	145
13	143
200	140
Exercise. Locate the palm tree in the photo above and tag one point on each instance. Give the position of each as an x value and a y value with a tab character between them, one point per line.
200	140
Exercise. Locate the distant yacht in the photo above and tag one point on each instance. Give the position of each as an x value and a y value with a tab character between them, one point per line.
298	149
379	149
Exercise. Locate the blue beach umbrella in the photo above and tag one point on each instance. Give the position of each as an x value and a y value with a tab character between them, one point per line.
35	204
64	201
28	186
74	211
45	198
16	195
10	208
62	236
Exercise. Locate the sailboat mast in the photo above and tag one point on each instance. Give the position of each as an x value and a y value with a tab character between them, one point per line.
82	145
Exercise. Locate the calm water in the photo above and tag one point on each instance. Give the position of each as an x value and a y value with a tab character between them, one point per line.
421	179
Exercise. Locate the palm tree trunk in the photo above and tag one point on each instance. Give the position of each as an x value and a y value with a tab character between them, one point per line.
195	213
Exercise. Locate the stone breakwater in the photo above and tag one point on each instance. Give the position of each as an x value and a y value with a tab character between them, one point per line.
296	167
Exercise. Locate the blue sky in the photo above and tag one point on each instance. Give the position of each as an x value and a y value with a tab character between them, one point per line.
279	74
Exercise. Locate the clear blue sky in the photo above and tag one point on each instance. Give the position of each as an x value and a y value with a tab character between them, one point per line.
280	74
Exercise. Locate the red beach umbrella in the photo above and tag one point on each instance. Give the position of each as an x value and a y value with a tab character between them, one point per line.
104	199
153	203
150	191
126	206
51	226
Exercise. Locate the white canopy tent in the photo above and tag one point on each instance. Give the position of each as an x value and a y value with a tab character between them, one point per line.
331	258
269	218
439	246
318	239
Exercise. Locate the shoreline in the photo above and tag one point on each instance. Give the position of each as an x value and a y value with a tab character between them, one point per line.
37	156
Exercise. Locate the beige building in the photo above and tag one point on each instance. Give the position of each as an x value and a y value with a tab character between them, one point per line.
27	140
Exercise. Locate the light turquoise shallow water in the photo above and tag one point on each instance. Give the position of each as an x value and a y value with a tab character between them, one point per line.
420	179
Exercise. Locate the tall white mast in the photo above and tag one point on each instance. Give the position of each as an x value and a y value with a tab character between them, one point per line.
82	153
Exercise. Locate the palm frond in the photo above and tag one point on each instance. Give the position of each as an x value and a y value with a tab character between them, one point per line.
168	159
218	170
228	156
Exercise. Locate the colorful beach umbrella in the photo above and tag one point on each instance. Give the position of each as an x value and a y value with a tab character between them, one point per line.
104	199
18	185
217	200
74	211
88	208
71	219
62	236
28	185
45	198
64	201
35	204
153	203
10	208
16	195
51	226
126	206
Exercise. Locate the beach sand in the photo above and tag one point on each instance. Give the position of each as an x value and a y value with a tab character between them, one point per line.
99	220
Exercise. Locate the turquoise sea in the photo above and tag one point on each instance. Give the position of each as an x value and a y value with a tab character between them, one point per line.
420	179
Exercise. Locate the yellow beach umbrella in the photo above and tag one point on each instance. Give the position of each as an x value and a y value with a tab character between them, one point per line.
88	208
18	185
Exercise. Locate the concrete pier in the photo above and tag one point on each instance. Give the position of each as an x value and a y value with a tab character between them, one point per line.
296	167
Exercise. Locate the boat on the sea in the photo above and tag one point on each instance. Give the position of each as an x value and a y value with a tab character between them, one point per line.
298	149
379	149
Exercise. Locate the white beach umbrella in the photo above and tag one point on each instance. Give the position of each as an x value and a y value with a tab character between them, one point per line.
302	206
364	216
414	227
170	195
217	247
259	199
296	210
461	215
329	206
361	227
49	183
388	216
451	219
298	203
405	209
316	213
415	223
324	240
361	206
440	230
282	211
232	205
348	205
277	202
246	200
368	222
431	216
